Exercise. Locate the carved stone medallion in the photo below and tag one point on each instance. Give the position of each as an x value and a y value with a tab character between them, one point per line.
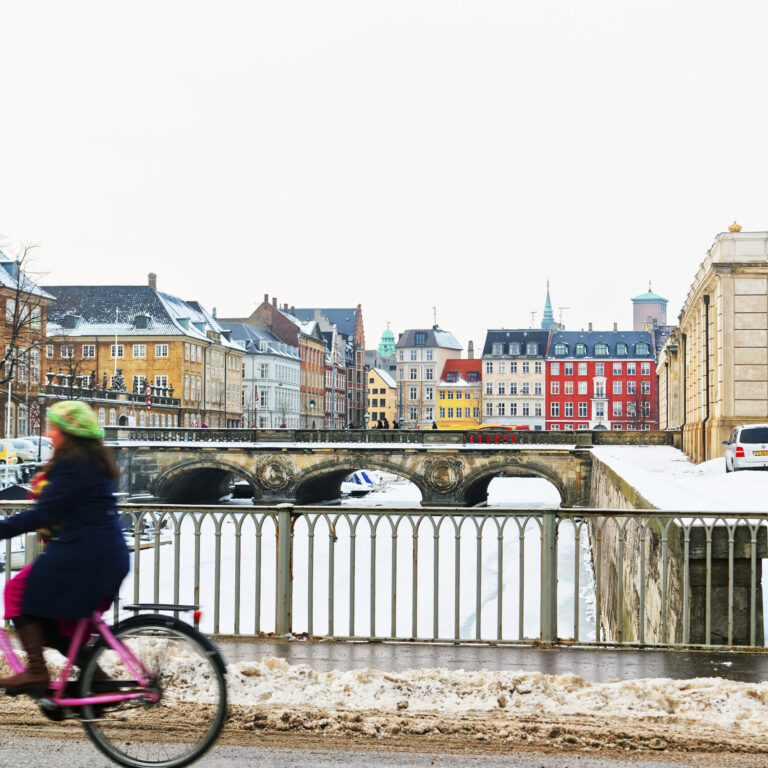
275	472
443	474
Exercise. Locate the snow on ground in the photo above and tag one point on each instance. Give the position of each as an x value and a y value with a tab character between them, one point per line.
709	701
670	481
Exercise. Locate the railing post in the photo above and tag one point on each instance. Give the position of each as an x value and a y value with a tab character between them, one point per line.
284	585
549	576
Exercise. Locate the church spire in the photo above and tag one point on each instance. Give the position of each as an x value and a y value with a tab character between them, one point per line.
548	320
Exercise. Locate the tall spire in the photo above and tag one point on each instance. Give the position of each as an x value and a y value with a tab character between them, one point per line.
548	320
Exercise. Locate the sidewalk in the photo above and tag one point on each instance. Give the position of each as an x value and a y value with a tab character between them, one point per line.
598	665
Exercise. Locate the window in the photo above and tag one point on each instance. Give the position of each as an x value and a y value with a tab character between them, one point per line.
601	349
186	385
631	410
264	398
617	369
531	348
645	387
68	350
37	316
161	380
568	369
501	388
186	351
582	369
568	388
198	353
103	416
568	410
513	366
441	412
400	356
582	387
89	350
429	354
599	369
568	427
554	387
264	370
514	348
489	367
554	410
429	374
581	349
112	417
10	310
646	411
49	350
582	410
413	374
555	427
561	349
420	338
450	394
139	384
489	409
616	387
429	393
500	409
537	366
616	426
645	369
475	413
537	409
525	388
513	388
537	389
621	349
450	413
617	409
513	409
497	349
430	413
413	354
554	369
502	367
488	388
526	367
526	409
412	393
631	388
631	369
414	413
139	350
115	350
599	389
641	348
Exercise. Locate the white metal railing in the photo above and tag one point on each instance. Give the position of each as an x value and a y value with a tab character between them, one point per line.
457	575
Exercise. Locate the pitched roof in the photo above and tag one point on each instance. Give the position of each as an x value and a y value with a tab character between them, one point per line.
521	336
611	338
386	378
434	337
11	277
462	368
343	318
259	340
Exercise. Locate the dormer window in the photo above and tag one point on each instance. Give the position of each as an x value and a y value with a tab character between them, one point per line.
420	338
498	349
70	321
601	349
561	349
473	377
581	349
452	376
514	348
141	322
621	349
641	348
531	348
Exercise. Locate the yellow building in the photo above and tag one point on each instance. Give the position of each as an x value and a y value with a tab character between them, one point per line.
458	395
382	398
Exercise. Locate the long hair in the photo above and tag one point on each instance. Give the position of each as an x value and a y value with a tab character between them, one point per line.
84	449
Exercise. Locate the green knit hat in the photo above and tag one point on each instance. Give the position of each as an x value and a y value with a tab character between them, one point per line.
76	418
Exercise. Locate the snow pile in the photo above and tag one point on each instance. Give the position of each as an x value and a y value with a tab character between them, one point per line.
274	683
670	481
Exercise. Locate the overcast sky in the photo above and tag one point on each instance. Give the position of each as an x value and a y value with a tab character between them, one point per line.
403	155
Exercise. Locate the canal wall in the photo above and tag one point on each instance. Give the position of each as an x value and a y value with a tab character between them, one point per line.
641	561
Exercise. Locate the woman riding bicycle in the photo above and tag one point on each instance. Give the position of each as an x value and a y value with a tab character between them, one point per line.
86	559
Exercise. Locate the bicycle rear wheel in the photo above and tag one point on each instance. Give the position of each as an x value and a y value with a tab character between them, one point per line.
187	672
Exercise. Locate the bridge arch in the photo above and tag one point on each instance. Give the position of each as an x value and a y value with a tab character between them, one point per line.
203	480
475	487
323	481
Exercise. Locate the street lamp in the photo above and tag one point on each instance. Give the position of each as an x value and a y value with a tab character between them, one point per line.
312	405
41	403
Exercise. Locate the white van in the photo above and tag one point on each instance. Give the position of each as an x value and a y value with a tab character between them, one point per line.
747	448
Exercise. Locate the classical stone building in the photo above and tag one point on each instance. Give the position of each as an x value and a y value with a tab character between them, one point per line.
713	371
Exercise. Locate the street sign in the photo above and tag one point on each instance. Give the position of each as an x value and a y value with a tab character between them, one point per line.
148	391
35	422
149	403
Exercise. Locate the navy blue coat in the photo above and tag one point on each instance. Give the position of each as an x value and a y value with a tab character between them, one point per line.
87	557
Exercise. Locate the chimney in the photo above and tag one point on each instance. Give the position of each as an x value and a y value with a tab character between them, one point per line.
470	350
615	327
266	298
293	310
590	327
213	313
285	307
152	280
274	302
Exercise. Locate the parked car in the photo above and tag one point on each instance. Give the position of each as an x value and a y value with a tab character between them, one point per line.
46	446
26	450
747	448
7	452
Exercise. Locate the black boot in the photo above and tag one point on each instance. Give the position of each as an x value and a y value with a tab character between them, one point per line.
34	679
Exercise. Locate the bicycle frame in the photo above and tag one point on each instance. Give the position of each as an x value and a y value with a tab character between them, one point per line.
59	686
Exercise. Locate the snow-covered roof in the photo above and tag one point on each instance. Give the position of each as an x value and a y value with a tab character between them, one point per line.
386	378
11	277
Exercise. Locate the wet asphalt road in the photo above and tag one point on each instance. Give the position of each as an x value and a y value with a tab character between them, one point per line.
27	752
600	665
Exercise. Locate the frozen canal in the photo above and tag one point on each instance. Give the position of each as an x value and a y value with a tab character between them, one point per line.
393	609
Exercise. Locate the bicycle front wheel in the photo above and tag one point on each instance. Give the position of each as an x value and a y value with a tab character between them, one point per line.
185	670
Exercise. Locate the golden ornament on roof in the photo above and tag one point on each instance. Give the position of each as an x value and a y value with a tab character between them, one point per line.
734	227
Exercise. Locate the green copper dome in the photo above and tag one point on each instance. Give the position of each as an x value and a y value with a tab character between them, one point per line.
387	344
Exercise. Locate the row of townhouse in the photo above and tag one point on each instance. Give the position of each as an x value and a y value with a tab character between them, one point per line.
528	378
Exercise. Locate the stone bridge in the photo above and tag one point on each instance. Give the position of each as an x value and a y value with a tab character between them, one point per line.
307	475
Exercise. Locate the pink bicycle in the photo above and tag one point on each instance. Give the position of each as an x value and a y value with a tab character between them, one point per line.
151	691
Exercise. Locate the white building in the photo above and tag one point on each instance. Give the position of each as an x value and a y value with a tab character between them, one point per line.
271	378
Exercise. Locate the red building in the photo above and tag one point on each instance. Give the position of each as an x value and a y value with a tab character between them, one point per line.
601	380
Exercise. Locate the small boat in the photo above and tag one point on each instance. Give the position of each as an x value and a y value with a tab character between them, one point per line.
357	484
